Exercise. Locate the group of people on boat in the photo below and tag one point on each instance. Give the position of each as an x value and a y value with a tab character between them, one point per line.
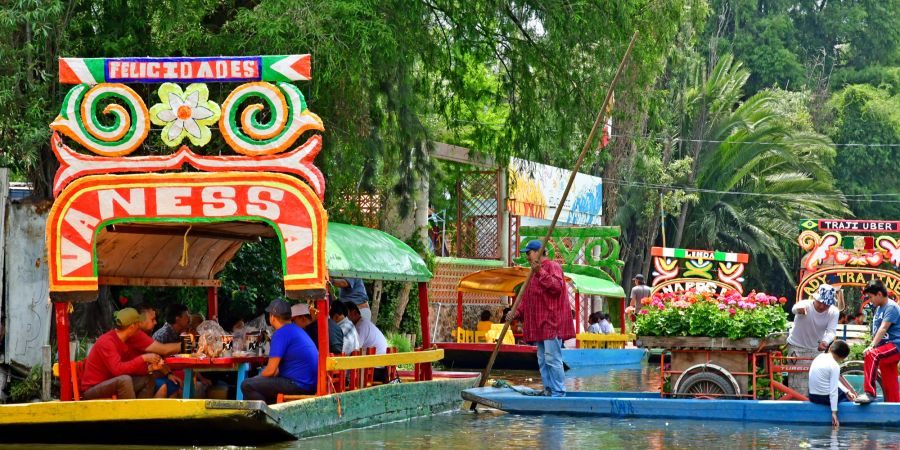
127	363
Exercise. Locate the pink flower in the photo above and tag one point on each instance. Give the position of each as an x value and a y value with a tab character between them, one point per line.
721	306
732	302
643	312
732	311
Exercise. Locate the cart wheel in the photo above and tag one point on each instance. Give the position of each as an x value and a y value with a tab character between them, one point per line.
856	368
708	385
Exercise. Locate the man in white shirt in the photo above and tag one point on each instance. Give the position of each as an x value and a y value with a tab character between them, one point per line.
369	334
338	314
826	387
815	326
605	326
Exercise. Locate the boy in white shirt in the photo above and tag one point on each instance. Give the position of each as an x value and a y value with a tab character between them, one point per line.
825	382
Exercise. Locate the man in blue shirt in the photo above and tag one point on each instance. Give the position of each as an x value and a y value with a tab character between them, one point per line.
293	360
884	352
354	290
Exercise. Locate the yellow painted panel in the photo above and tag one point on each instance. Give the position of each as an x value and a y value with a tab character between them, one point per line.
393	359
101	410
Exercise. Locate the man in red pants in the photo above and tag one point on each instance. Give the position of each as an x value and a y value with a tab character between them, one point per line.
883	353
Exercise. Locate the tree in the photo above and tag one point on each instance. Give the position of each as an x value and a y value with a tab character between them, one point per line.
867	115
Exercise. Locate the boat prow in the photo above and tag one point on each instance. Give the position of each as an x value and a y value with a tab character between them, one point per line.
650	405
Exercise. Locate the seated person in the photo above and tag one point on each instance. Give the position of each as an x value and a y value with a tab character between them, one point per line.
108	372
354	290
825	386
293	360
884	351
300	316
594	320
485	323
369	336
351	338
178	321
605	325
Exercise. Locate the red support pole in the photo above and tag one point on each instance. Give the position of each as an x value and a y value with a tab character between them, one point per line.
577	311
322	328
459	309
212	303
622	316
62	344
423	318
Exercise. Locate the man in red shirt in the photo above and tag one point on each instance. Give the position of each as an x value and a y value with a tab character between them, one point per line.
108	371
142	343
547	317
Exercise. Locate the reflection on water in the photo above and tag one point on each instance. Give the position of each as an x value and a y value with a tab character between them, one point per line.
491	429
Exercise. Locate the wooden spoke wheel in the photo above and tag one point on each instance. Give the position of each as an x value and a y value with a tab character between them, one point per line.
706	385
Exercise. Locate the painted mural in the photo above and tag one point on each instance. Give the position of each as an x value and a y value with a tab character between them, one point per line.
535	190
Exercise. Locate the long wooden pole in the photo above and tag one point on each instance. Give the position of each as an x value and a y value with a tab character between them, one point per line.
587	145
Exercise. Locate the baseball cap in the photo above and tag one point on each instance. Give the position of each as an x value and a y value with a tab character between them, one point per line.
825	294
279	307
532	245
639	277
299	309
126	317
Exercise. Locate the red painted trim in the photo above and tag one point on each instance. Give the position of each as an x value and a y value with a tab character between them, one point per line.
423	320
487	348
459	309
212	303
62	344
322	328
577	311
439	374
622	316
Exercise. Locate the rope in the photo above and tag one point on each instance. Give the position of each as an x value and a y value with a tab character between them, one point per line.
184	248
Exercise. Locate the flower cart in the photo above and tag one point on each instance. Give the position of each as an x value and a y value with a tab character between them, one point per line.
719	345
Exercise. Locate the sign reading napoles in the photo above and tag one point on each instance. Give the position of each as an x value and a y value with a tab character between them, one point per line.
860	226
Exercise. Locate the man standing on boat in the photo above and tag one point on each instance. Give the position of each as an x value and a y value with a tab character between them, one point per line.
639	291
815	326
884	352
547	317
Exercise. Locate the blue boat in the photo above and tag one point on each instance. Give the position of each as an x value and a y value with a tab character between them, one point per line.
592	357
649	405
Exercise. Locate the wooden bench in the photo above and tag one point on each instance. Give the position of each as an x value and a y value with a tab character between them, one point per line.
596	340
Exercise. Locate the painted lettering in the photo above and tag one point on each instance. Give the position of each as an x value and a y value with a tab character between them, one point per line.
295	238
205	70
153	70
257	206
114	69
170	67
249	68
218	201
72	257
83	224
108	199
169	201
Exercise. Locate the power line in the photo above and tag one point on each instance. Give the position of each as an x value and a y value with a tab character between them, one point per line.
651	186
714	141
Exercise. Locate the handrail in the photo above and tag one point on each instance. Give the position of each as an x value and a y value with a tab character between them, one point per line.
391	359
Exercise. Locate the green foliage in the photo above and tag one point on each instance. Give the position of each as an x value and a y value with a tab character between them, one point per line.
863	114
857	349
29	388
399	342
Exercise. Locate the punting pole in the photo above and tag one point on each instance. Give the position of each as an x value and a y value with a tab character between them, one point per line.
423	323
587	145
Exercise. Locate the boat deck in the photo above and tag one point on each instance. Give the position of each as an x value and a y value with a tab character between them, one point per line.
650	405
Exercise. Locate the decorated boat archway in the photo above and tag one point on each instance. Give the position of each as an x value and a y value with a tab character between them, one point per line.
680	269
848	253
127	215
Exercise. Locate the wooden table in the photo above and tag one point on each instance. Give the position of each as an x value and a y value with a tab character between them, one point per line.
239	364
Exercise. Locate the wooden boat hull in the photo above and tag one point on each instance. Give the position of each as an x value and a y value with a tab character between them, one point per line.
649	405
595	357
147	420
475	356
225	422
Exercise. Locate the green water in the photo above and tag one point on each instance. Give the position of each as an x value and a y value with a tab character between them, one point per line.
489	429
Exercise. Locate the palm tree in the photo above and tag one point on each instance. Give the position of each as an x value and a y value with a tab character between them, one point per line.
758	176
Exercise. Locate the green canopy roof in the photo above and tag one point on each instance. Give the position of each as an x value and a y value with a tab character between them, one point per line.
358	252
504	280
596	286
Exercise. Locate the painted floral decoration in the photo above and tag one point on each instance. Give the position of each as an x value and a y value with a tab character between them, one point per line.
187	113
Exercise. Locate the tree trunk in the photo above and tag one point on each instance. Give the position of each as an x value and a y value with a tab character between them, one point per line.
402	301
375	301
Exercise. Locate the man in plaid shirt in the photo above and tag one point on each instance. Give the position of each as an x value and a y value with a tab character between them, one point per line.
547	317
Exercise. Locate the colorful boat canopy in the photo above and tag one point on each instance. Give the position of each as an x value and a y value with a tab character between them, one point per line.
505	280
186	70
359	252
